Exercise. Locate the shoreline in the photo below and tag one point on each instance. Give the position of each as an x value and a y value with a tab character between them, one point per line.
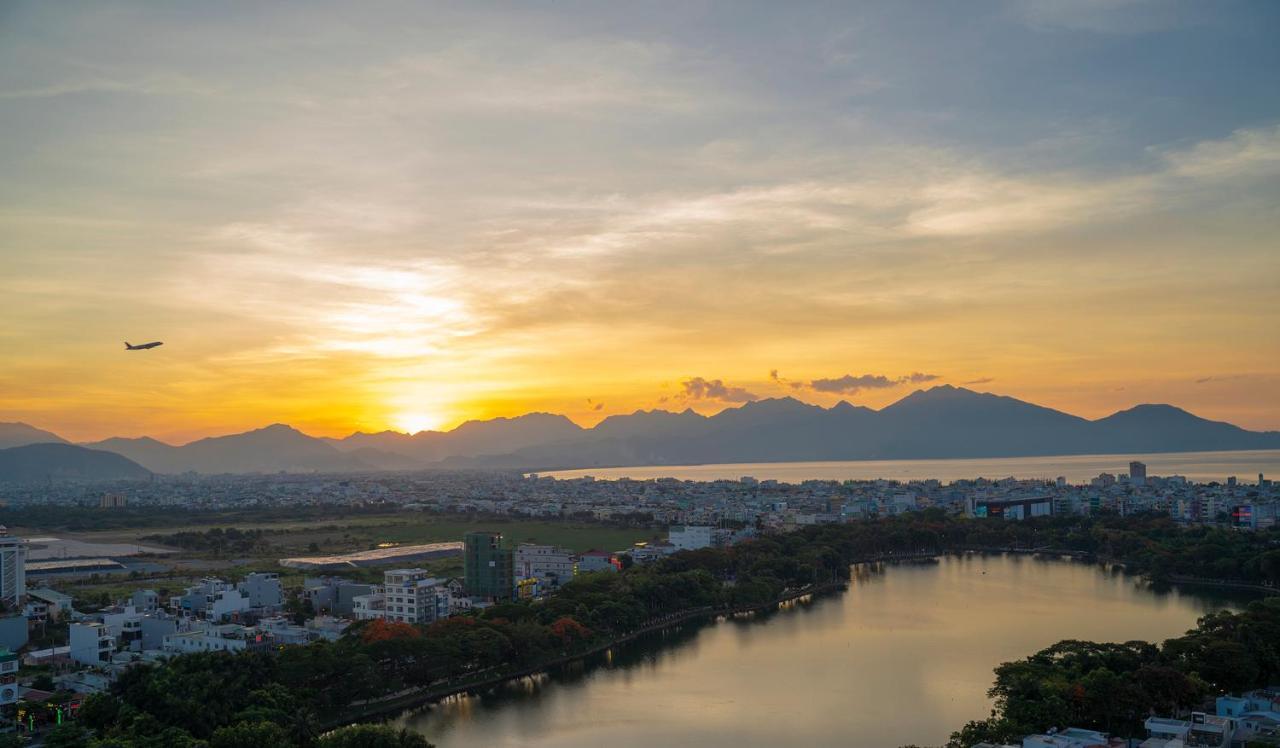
401	700
422	696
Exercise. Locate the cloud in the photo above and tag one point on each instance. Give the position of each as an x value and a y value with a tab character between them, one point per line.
983	380
850	384
595	405
698	388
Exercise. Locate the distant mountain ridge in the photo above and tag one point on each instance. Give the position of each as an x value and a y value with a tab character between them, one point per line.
20	434
34	463
937	423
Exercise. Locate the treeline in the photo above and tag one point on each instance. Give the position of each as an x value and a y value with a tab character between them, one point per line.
217	540
88	516
296	689
1115	687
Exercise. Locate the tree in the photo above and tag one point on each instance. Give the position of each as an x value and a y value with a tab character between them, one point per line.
99	711
249	735
67	735
372	736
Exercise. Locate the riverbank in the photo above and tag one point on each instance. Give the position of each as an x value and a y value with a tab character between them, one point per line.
409	698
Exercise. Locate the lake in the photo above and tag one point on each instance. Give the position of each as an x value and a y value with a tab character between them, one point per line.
1201	467
904	656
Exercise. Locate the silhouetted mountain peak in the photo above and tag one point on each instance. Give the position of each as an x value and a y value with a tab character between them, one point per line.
53	461
17	434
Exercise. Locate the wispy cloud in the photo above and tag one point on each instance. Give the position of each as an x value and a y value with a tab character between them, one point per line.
850	384
699	388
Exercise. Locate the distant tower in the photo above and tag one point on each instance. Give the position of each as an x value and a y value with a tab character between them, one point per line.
13	568
1137	473
112	501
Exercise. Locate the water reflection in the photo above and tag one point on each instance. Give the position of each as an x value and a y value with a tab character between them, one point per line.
918	640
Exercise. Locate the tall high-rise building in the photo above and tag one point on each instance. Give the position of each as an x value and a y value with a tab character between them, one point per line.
13	568
1137	473
488	568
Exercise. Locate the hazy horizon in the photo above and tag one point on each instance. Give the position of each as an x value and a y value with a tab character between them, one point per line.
406	216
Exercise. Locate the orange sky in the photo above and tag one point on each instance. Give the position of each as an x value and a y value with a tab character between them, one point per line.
366	222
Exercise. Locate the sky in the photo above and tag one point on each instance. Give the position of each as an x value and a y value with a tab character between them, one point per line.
358	216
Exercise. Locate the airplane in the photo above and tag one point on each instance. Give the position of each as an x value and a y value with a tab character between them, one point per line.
142	346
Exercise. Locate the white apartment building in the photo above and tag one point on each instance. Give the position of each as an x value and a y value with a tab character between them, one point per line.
13	568
263	590
414	596
550	565
689	537
91	643
370	606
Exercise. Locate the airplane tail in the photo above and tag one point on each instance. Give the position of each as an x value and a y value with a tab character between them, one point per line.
127	345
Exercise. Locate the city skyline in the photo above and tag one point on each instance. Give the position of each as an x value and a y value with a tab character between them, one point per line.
419	216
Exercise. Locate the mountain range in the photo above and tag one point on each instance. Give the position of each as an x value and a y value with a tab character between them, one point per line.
941	422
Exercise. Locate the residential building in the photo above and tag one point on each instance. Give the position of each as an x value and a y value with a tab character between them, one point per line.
597	561
8	677
1071	737
414	596
328	627
13	565
549	565
125	624
92	643
689	537
1011	508
215	638
1137	473
488	567
370	606
333	594
145	600
57	605
262	590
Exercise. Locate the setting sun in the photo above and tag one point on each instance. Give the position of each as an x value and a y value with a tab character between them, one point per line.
412	423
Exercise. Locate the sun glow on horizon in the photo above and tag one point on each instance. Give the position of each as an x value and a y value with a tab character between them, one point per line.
418	420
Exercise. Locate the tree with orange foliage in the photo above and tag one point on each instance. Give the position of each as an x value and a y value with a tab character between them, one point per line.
379	630
568	630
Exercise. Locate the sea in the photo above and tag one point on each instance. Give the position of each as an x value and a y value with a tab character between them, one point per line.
1200	467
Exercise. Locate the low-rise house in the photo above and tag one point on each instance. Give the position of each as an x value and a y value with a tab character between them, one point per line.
597	561
262	590
333	594
368	607
228	637
92	643
1071	737
145	600
283	631
57	605
54	656
328	627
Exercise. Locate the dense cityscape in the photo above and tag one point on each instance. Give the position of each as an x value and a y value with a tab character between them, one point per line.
94	641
